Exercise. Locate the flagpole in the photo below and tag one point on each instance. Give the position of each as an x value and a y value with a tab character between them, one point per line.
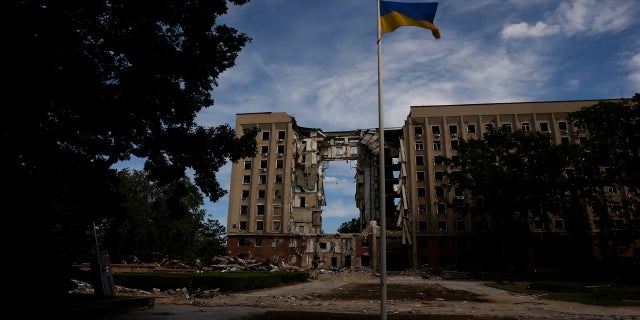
381	182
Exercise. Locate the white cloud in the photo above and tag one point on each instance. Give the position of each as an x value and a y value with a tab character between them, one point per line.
634	74
524	30
596	16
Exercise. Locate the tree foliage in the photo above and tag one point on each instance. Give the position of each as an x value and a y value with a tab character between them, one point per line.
352	226
93	83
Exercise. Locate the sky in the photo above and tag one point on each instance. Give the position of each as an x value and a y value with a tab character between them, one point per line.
318	62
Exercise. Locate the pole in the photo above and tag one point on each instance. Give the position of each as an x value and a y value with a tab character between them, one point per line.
381	182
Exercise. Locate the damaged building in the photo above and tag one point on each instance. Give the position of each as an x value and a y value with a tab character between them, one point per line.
276	198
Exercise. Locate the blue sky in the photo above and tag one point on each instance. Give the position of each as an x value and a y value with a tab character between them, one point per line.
317	61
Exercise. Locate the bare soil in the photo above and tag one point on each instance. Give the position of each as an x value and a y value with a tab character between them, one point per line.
359	293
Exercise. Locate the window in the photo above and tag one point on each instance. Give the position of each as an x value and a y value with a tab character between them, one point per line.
459	192
507	127
242	242
419	146
281	134
277	194
544	127
247	165
471	128
443	243
422	192
422	209
424	243
280	149
261	194
417	131
265	135
453	130
244	210
245	194
438	175
264	164
275	243
441	208
440	191
558	224
612	189
526	127
616	206
488	127
278	178
538	224
583	140
258	242
339	151
276	226
264	149
246	179
423	225
259	225
442	225
420	176
581	126
435	130
562	126
564	140
438	160
243	225
279	164
419	160
262	179
437	145
302	202
461	225
260	209
454	144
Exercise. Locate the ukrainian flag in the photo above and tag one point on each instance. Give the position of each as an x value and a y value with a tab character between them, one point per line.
397	14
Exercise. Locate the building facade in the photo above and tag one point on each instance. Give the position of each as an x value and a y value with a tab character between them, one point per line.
276	198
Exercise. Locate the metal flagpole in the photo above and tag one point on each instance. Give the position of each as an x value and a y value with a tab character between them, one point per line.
381	183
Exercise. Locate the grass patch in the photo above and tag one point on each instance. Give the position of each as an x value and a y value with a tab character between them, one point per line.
297	315
598	294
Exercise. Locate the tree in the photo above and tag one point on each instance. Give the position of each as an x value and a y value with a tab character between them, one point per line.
352	226
94	83
607	165
509	180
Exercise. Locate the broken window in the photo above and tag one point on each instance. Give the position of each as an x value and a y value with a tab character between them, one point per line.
278	178
423	242
526	127
419	160
247	164
441	208
471	128
277	194
243	225
260	208
564	140
276	226
279	164
244	210
246	179
242	242
264	164
258	242
422	209
439	175
544	127
461	225
562	126
275	243
281	135
280	149
453	130
419	146
339	151
442	225
438	160
420	176
264	150
422	192
507	127
423	225
261	194
245	194
440	191
302	202
259	225
435	130
277	210
262	179
354	151
454	144
558	224
437	145
265	135
488	127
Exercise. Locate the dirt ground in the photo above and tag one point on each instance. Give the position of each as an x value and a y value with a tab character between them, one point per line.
359	292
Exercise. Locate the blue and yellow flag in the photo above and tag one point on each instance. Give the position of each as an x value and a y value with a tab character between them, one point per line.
397	14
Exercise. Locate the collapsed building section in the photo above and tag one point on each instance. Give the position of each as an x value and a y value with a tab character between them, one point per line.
276	198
